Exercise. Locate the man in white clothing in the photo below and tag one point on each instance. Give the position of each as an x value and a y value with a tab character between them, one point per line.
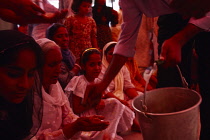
197	11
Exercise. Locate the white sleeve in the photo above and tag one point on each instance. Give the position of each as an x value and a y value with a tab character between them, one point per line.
203	23
130	27
127	79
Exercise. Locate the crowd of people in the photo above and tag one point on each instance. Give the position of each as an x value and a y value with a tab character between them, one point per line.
73	80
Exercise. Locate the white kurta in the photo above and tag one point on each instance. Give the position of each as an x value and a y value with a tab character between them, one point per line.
126	82
119	116
56	113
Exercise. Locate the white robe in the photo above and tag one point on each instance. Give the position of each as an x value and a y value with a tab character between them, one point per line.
119	116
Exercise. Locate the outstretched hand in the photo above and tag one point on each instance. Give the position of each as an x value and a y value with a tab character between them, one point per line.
26	12
93	95
92	123
10	16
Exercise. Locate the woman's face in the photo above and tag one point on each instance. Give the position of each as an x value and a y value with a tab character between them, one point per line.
52	66
84	8
93	67
17	78
61	37
109	55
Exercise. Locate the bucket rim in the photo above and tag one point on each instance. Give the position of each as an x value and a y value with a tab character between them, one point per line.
171	113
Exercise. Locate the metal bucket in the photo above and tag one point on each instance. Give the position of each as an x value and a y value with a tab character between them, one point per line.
172	114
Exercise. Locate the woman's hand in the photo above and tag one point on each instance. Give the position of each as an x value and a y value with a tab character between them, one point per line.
92	123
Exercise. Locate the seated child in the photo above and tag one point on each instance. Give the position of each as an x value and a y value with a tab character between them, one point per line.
121	87
119	116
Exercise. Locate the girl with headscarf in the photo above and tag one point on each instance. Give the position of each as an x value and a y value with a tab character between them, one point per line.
121	87
20	59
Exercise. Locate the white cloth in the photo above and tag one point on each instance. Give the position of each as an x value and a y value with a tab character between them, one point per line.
132	15
126	81
119	116
56	113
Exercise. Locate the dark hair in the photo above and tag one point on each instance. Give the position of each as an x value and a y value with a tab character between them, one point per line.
18	122
84	57
109	48
96	3
76	4
50	32
12	42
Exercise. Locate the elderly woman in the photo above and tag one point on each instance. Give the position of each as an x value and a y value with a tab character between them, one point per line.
59	121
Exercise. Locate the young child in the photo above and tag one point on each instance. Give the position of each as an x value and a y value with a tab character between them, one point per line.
81	27
119	116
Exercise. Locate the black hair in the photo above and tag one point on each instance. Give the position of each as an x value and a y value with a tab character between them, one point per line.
18	122
50	32
76	4
84	57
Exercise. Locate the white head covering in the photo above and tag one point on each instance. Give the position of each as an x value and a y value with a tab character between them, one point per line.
47	44
118	80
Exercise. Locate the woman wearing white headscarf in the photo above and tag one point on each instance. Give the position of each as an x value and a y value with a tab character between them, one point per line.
121	87
59	122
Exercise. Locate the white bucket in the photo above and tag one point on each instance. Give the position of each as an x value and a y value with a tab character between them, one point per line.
172	114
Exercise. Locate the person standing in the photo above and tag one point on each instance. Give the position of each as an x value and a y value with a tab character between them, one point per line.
197	11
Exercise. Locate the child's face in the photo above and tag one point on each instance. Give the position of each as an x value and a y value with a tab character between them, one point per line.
17	78
93	67
61	37
109	55
85	8
52	67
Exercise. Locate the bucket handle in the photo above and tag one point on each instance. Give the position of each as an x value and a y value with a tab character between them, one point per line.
144	112
184	82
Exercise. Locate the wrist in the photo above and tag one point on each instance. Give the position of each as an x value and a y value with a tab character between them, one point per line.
77	66
70	130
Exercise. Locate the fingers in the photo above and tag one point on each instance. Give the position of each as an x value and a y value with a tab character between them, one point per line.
99	117
36	9
93	123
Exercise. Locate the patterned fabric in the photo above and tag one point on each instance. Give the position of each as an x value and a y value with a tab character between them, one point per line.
80	34
56	114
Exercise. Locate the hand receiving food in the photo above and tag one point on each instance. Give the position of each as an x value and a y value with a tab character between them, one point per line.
92	123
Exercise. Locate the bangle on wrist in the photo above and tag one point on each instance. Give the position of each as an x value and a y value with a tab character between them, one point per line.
78	66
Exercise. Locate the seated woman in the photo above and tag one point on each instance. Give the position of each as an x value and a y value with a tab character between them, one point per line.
121	87
20	59
137	79
69	68
119	116
59	122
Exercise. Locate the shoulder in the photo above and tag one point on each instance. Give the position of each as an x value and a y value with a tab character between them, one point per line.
76	82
